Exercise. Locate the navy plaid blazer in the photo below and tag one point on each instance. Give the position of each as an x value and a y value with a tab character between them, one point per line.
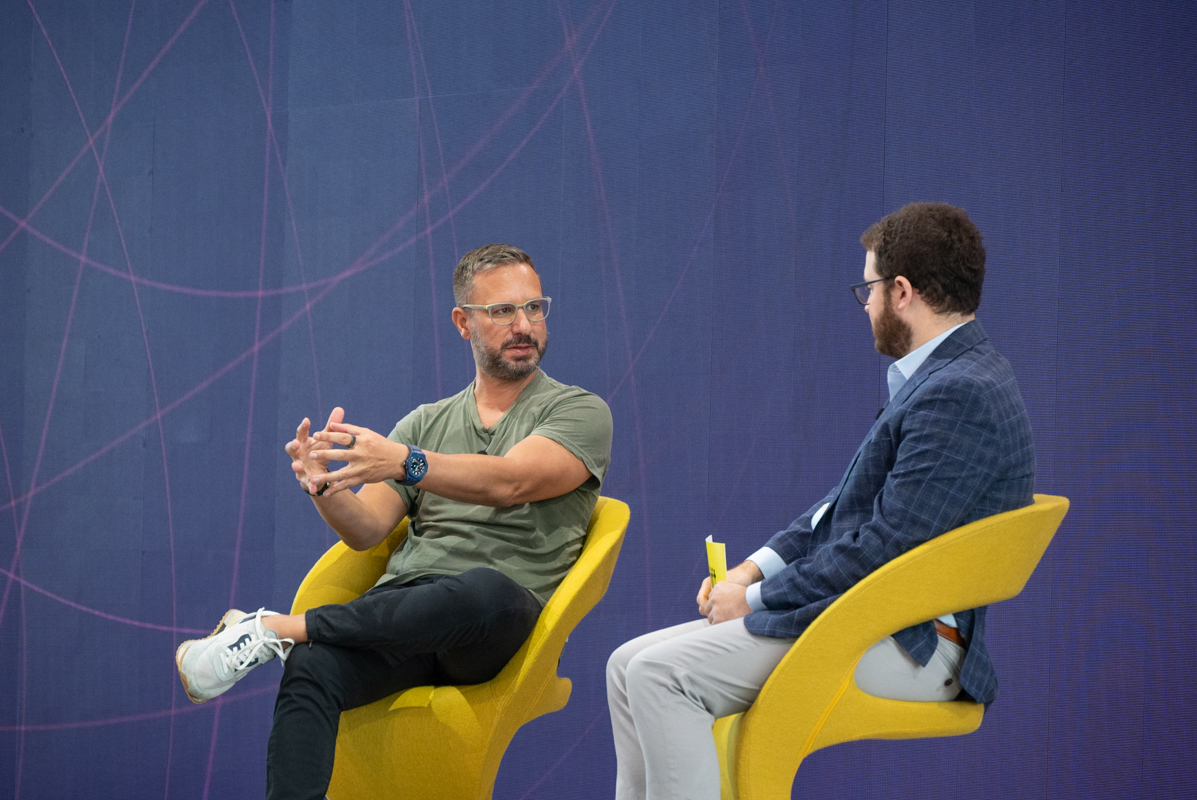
954	445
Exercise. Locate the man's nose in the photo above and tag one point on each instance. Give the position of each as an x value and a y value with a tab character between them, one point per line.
521	323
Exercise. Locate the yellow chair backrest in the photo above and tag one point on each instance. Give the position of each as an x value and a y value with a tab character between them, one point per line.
811	700
447	741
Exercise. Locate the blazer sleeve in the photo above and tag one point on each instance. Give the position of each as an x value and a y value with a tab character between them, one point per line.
948	452
793	542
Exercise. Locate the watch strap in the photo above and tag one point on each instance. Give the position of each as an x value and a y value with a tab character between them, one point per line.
415	466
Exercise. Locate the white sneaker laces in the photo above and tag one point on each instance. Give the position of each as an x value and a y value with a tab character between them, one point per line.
247	654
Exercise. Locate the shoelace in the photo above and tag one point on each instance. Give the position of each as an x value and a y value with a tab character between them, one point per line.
246	655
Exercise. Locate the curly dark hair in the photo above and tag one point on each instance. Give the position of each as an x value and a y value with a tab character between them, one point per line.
937	248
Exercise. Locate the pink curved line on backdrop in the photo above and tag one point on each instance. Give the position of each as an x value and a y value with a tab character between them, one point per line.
585	732
552	106
170	712
253	375
24	643
259	294
20	531
23	224
199	387
226	368
282	170
359	266
710	219
97	613
596	166
224	294
253	379
304	285
419	49
157	397
430	249
760	52
161	412
368	258
100	179
422	166
108	120
8	477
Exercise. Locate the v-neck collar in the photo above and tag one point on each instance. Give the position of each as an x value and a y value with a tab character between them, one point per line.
476	418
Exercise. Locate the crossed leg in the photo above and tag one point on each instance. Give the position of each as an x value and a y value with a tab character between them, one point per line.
454	629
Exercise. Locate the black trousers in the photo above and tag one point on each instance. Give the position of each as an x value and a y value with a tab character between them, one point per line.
437	630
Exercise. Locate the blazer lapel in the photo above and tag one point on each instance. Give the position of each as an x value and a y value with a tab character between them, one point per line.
964	339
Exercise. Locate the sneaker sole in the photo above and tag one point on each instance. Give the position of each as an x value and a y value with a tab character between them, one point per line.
230	617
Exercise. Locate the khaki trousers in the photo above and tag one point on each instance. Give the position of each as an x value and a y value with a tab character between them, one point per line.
666	689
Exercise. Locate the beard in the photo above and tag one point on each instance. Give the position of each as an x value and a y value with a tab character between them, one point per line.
891	335
495	363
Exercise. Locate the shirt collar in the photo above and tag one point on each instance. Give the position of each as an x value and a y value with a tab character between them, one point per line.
901	370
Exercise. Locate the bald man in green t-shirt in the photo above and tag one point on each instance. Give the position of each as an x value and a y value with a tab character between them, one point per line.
498	481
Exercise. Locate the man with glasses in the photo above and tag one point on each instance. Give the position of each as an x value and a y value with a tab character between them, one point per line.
952	445
499	482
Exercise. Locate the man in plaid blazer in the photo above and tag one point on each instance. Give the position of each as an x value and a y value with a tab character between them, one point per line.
952	445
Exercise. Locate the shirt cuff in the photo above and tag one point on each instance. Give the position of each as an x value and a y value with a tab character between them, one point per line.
768	561
753	597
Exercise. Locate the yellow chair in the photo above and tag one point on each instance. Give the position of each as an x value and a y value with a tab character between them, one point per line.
811	700
447	741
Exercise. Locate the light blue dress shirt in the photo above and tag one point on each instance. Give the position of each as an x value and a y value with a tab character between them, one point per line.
769	562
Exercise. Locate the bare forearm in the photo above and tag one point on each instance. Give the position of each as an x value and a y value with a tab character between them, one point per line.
359	526
482	480
495	481
537	468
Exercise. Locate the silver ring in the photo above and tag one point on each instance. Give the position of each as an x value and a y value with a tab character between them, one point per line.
352	441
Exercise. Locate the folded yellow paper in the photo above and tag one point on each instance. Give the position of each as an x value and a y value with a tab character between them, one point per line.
716	560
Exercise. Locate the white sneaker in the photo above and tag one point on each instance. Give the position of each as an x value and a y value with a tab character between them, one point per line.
210	666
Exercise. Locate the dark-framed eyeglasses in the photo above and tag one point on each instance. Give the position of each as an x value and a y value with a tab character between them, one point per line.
862	291
535	310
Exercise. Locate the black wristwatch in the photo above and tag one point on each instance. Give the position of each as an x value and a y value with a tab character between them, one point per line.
415	467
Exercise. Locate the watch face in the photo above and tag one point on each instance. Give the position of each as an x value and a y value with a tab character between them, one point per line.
417	466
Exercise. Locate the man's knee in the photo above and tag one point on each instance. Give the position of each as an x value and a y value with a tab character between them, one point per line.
482	591
646	675
309	667
301	662
617	664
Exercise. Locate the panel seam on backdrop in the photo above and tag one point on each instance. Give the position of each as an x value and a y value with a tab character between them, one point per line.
884	141
1059	251
714	246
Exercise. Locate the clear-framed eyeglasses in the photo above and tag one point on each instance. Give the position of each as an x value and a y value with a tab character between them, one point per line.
862	290
535	310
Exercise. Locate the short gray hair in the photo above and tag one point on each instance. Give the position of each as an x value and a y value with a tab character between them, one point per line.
479	260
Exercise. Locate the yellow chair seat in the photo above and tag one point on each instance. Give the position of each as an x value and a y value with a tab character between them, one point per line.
811	700
447	741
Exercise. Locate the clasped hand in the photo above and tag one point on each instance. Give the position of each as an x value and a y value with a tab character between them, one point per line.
371	459
726	600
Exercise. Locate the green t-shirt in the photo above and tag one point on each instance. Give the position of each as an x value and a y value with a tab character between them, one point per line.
534	544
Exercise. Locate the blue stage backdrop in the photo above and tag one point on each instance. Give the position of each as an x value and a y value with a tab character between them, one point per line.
219	217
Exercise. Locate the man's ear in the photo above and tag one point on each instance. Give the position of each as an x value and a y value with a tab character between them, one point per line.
903	293
461	321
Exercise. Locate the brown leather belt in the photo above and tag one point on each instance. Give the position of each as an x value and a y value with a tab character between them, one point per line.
950	633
